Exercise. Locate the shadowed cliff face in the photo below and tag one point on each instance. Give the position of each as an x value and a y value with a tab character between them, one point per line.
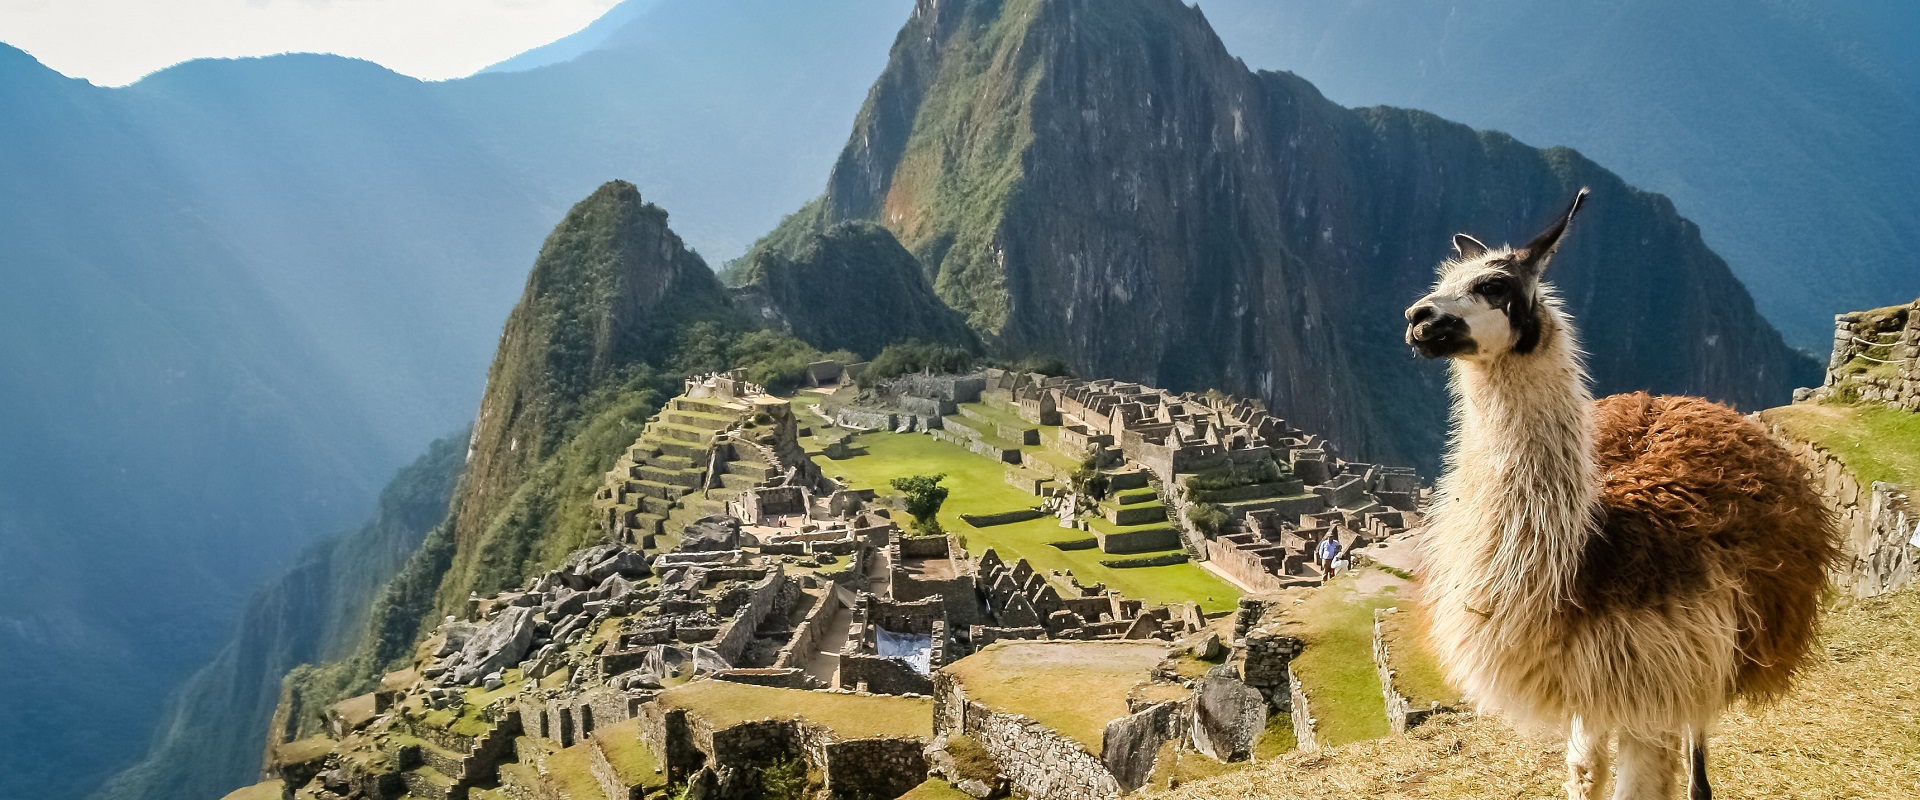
853	288
1104	181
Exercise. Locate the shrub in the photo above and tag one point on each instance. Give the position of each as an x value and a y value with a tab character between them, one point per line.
1207	517
785	779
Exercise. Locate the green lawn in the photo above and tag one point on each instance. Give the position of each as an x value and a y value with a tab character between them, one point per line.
724	704
1876	442
1335	623
1073	688
979	487
1417	673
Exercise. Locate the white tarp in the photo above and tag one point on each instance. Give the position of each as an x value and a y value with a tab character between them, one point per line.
914	648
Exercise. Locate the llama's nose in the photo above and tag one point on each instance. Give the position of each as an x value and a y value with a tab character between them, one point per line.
1420	313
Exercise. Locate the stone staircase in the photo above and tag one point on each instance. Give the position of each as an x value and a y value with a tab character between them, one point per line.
437	765
651	490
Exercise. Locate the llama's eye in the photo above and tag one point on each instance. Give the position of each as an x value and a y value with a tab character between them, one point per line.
1490	288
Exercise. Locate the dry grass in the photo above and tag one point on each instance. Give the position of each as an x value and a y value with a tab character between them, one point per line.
260	791
724	704
1073	688
1851	729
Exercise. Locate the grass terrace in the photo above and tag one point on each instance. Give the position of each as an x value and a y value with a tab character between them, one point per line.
725	704
1335	623
1876	442
571	771
632	762
979	487
1417	673
1073	688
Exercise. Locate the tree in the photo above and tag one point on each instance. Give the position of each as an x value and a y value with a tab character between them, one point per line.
1089	480
924	498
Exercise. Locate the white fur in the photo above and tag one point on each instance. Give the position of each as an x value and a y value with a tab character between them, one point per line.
1506	533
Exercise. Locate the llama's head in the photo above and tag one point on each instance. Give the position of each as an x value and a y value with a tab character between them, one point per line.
1489	301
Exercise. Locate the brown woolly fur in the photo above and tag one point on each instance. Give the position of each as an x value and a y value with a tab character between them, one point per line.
1694	494
1623	567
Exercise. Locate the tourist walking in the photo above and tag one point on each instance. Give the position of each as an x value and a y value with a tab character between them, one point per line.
1328	553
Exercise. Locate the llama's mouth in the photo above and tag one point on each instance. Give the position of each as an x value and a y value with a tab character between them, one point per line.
1441	337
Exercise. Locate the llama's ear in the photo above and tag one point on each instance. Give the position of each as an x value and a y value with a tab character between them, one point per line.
1539	251
1467	246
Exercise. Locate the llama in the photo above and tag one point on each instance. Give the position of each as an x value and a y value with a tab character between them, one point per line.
1625	566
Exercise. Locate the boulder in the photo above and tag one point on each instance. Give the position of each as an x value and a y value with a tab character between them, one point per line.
1228	716
565	602
711	534
1209	647
543	662
455	635
502	644
974	787
625	563
612	589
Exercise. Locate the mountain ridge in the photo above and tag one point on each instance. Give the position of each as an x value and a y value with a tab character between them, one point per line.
1143	176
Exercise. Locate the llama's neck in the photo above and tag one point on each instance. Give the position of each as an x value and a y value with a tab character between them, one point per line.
1519	495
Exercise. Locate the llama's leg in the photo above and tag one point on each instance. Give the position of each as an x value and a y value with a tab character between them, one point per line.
1648	767
1697	786
1586	761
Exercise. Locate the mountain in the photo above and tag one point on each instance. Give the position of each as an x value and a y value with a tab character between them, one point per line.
239	294
1112	187
580	42
1782	127
851	287
213	736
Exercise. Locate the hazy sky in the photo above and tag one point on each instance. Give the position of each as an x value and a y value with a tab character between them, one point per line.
114	42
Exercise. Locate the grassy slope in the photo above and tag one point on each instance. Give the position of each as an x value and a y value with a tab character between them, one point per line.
1074	688
979	487
1876	442
1851	729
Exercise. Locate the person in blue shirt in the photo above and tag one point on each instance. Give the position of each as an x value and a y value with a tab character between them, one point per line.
1329	551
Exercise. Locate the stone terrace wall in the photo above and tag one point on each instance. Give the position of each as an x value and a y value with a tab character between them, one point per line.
738	635
1896	382
1876	523
1039	763
1402	713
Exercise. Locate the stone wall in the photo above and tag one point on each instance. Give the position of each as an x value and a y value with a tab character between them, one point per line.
852	768
1876	523
1265	659
1303	719
1402	712
1876	357
738	635
1037	762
